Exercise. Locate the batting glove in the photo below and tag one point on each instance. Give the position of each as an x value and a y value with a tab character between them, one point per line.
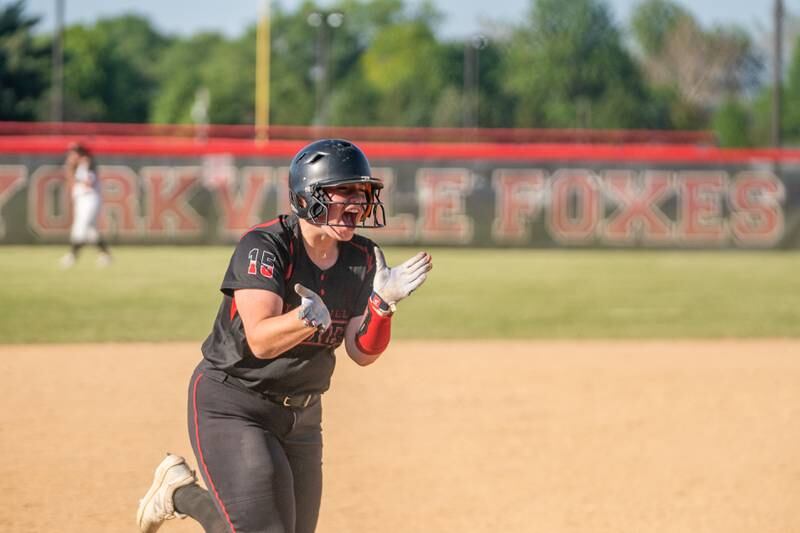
312	309
394	284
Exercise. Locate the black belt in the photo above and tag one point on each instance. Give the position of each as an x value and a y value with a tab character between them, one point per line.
298	401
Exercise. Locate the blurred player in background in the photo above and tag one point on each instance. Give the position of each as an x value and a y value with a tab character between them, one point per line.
84	185
296	288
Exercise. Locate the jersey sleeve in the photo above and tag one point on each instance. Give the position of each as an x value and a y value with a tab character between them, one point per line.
258	262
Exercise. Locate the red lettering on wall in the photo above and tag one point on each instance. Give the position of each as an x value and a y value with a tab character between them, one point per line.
518	199
240	209
49	205
700	207
757	217
168	209
120	200
575	206
12	178
638	215
441	193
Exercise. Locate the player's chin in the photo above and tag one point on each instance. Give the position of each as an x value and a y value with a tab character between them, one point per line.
343	233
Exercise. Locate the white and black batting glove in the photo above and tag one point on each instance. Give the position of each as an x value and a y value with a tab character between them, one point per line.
394	284
312	310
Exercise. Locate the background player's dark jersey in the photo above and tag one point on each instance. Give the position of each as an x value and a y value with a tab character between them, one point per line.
271	256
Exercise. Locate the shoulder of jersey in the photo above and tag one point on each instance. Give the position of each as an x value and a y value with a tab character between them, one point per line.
279	226
363	241
365	246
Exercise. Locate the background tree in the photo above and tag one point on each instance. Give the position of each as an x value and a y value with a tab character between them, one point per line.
791	99
705	67
293	58
567	64
567	67
135	49
23	64
731	124
396	75
229	74
180	79
110	69
353	100
402	65
653	21
207	63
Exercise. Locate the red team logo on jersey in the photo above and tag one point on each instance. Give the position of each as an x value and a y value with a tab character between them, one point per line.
267	266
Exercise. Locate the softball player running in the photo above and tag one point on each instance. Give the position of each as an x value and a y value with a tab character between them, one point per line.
86	201
296	288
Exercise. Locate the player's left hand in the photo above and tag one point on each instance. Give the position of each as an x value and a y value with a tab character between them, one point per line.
312	309
394	284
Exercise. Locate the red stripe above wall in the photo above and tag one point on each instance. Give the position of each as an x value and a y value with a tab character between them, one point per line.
364	133
183	147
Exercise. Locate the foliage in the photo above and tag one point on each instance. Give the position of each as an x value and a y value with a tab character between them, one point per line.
706	67
732	124
761	123
109	69
761	108
341	63
179	84
567	64
229	74
23	65
791	99
402	65
293	56
567	67
653	22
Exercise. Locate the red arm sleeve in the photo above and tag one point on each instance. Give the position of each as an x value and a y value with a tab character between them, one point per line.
375	332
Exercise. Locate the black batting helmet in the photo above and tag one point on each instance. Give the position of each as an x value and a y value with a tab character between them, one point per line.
332	163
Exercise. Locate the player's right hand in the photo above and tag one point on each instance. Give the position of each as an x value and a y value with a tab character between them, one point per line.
312	309
394	284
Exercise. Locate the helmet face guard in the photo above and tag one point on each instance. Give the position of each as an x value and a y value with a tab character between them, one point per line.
333	163
374	214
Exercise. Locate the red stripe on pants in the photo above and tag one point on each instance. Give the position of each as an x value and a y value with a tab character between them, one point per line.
200	454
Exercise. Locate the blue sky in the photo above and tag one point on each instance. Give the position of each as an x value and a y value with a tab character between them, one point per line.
462	17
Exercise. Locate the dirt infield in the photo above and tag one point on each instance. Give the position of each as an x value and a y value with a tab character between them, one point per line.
439	437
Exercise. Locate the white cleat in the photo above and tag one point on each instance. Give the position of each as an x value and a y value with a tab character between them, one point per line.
68	261
103	260
158	505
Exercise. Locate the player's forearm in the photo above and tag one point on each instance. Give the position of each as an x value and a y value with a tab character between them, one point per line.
371	335
273	336
361	358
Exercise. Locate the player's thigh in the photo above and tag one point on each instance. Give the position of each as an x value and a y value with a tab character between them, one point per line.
86	208
242	463
303	447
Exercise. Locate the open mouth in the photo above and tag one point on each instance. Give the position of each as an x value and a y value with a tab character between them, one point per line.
349	218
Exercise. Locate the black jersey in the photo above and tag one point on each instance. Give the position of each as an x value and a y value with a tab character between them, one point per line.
271	256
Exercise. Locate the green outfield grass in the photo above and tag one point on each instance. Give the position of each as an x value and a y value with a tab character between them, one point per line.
170	293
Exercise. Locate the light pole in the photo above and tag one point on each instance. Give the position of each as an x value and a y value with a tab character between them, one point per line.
470	98
57	98
262	71
320	73
777	73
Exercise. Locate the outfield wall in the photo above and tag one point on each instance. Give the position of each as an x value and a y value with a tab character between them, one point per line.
167	190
